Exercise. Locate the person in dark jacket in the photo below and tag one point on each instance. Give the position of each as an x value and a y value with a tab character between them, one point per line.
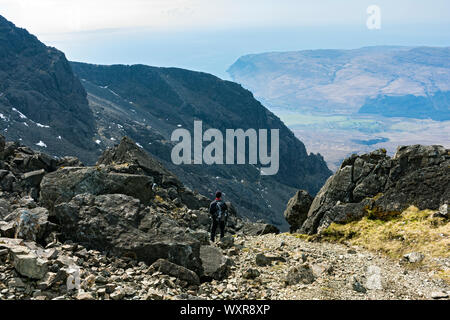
218	210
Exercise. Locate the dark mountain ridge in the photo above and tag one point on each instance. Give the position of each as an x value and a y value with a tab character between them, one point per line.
41	101
148	103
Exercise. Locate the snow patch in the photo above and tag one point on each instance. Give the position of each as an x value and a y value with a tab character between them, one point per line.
114	93
41	144
139	145
41	125
21	115
2	116
98	141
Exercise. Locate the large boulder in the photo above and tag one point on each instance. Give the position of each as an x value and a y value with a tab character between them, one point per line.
27	262
297	209
31	266
119	224
382	186
138	161
62	185
258	229
31	224
215	265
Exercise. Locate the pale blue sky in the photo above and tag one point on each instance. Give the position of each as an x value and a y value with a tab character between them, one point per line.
209	35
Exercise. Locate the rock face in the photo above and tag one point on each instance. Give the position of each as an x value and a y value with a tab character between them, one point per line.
41	99
112	223
297	209
381	186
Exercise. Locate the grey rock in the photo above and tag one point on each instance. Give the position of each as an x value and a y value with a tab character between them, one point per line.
33	178
215	265
300	274
414	257
193	200
226	242
251	274
262	261
176	271
297	209
321	269
201	235
442	212
31	223
7	229
138	162
356	284
30	266
258	229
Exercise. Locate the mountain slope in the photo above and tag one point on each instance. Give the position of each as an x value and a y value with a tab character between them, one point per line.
41	101
148	103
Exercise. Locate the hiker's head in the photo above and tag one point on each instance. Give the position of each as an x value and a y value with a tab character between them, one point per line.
218	194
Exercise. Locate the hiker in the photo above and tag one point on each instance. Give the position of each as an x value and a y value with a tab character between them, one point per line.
219	214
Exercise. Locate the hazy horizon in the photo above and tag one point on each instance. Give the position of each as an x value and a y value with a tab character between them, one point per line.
210	36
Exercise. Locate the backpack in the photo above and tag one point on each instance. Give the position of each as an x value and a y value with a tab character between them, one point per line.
221	214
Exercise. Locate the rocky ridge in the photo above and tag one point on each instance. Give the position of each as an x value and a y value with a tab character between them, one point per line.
378	186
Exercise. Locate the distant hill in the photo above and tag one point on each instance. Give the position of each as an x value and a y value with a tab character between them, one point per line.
341	81
42	103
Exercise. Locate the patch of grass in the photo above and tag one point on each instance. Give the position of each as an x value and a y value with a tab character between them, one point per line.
301	236
395	235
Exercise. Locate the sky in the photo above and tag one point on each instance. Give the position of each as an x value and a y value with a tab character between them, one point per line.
210	35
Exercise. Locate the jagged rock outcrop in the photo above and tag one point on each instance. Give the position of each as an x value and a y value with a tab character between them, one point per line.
136	161
297	209
381	186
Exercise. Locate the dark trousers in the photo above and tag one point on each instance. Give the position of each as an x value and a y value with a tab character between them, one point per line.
214	226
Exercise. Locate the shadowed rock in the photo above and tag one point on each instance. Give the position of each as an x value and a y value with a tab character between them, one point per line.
297	209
